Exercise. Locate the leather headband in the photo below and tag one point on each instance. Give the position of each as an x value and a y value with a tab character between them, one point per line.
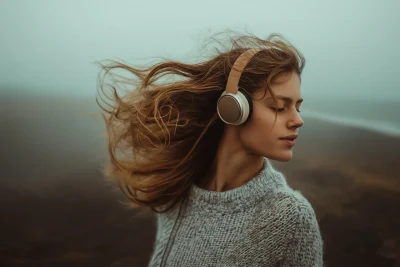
232	85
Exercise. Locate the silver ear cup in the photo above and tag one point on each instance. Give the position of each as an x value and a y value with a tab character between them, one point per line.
233	108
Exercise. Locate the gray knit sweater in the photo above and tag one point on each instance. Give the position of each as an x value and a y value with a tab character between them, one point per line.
261	223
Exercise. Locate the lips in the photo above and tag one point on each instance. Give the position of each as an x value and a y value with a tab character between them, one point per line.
290	139
290	142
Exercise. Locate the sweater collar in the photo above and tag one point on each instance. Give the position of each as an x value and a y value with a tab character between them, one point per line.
265	182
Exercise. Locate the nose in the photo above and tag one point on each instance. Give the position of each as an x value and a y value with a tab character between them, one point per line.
296	121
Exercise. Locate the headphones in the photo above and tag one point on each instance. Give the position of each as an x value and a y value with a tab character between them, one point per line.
235	106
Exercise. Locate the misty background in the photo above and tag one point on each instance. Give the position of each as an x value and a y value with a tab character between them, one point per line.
52	151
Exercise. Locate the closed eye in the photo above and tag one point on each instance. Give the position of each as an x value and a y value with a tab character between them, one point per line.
282	109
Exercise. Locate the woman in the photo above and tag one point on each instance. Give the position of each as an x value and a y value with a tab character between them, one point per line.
200	149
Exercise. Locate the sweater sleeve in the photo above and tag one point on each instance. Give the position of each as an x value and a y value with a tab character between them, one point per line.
305	247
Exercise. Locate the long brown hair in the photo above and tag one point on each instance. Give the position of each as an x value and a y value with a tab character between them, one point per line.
168	133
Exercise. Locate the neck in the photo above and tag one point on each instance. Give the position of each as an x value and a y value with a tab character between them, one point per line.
233	165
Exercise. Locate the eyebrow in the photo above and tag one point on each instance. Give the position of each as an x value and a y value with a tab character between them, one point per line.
287	99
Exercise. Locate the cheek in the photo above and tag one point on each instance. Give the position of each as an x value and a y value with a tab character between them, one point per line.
260	129
263	120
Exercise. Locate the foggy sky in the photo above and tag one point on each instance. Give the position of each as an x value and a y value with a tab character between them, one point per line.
351	47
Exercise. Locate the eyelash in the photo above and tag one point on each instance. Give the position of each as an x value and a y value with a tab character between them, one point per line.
282	109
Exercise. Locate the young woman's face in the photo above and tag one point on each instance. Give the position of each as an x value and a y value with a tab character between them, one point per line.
261	134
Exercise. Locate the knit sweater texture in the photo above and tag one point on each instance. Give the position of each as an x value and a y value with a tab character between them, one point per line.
264	222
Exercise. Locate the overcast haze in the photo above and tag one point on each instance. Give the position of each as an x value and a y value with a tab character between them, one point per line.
351	47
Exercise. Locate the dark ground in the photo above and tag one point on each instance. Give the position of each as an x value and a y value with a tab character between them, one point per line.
57	210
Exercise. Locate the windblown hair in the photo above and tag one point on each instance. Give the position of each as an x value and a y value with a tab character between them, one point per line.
169	132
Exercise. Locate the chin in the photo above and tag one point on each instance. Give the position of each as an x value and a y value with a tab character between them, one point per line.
284	157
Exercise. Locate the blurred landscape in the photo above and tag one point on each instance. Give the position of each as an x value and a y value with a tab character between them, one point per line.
56	208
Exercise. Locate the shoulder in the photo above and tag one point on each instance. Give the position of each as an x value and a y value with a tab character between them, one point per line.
289	210
287	199
303	220
294	203
303	240
294	224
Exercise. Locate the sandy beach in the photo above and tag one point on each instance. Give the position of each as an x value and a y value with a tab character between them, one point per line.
57	210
